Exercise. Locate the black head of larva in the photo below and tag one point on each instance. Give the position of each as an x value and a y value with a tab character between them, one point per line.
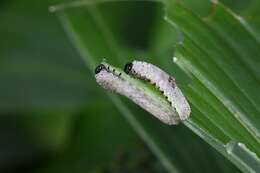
128	67
99	68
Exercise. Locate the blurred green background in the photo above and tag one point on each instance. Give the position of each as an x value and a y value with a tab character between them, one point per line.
54	118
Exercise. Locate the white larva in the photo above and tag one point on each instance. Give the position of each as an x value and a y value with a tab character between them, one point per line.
114	80
164	82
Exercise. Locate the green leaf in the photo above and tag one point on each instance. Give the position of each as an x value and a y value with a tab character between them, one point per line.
225	77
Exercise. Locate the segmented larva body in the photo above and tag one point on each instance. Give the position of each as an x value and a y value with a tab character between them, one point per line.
119	82
164	82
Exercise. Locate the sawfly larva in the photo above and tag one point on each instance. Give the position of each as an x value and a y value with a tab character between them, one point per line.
163	82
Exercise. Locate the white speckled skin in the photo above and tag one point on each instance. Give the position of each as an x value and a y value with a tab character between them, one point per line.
164	83
112	82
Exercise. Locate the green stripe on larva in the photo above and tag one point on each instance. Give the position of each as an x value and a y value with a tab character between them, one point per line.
139	91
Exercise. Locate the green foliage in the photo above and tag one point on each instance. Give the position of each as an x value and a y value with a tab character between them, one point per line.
73	127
